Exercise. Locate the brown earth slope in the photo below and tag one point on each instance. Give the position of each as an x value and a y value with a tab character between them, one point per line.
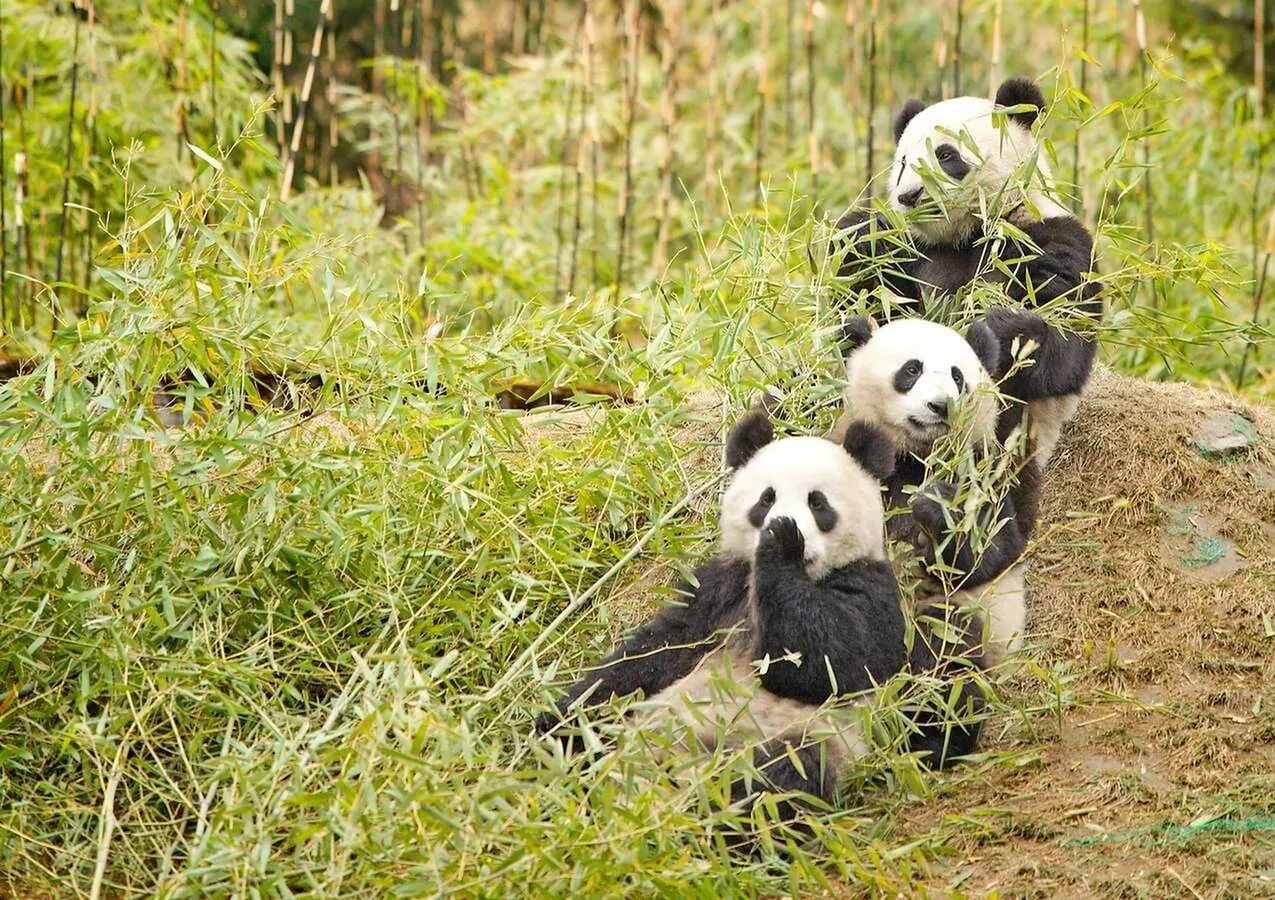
1153	591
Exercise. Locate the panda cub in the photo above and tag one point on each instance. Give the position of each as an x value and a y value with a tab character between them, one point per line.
915	380
799	606
961	167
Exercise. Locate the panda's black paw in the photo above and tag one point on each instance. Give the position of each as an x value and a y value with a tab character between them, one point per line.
929	505
781	541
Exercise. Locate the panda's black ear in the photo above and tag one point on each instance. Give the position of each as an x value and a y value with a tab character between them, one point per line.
986	347
870	449
909	111
1019	92
855	333
749	435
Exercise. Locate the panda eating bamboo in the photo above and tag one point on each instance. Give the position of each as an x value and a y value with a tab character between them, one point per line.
799	606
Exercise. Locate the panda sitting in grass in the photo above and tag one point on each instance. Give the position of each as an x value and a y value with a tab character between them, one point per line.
800	606
964	489
971	185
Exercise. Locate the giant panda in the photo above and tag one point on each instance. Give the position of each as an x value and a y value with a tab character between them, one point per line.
915	380
962	169
800	605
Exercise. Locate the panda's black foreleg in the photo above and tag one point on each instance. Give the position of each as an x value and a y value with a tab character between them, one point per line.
1059	365
869	251
847	628
955	551
667	646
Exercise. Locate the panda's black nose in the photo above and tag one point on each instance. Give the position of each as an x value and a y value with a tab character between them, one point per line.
910	198
939	408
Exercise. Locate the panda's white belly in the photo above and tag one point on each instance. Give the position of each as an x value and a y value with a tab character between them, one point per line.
723	704
1047	417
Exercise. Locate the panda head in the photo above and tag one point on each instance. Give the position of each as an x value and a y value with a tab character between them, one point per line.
831	491
914	380
961	161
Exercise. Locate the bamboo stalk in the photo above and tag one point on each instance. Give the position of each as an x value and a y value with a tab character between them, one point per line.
21	234
289	111
212	71
90	127
872	95
1259	122
424	17
763	88
711	129
813	135
589	97
316	47
956	48
276	80
334	124
670	50
581	141
489	37
392	96
4	194
1078	203
65	219
566	146
183	132
1140	32
630	31
994	74
790	101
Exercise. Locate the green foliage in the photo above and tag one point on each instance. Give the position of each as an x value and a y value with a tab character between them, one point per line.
257	652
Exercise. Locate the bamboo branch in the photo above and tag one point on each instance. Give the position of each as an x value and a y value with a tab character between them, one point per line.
4	195
316	47
66	169
630	31
566	146
763	88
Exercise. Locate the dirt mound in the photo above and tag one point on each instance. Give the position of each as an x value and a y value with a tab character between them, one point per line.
1153	605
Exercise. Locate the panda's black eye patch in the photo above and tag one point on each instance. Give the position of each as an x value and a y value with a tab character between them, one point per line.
958	378
757	515
950	161
824	515
905	379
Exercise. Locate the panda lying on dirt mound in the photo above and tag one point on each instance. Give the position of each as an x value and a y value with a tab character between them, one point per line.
962	169
799	606
915	381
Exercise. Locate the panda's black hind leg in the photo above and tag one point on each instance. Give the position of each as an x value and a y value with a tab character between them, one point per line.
789	778
665	648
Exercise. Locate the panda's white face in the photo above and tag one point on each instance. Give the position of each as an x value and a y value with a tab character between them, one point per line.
835	503
914	379
957	165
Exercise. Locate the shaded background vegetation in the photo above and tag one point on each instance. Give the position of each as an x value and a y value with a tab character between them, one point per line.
286	648
495	155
